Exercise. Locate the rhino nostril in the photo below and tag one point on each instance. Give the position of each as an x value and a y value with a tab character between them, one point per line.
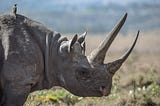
103	87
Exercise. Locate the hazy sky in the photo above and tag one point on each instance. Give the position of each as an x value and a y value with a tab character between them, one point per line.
72	1
144	16
37	5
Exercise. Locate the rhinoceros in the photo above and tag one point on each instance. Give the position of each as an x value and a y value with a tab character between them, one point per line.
33	57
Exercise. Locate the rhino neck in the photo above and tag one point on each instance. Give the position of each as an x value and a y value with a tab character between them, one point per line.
45	38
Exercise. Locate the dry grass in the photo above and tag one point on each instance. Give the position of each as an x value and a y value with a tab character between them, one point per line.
146	43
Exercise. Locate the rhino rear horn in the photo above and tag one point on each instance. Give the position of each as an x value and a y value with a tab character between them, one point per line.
112	67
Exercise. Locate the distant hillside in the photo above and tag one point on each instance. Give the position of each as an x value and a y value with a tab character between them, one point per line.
93	15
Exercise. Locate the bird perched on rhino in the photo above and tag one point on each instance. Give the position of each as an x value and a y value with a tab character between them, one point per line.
14	9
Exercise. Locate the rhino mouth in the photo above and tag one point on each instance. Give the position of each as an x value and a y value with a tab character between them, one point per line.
104	91
97	92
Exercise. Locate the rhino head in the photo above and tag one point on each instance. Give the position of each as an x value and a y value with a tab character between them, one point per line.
88	75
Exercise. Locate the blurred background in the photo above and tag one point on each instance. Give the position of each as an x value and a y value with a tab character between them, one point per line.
96	16
137	83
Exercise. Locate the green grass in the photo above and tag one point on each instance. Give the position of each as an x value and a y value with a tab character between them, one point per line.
56	97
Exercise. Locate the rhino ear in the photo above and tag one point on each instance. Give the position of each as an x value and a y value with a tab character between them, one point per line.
84	47
81	38
66	46
72	42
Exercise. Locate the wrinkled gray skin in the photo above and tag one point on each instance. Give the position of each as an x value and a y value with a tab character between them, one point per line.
32	57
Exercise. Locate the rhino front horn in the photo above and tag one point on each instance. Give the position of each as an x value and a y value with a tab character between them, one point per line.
97	56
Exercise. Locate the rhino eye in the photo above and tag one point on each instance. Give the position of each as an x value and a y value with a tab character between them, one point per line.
83	73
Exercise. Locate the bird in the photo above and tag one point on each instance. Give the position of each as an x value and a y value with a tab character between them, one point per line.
14	9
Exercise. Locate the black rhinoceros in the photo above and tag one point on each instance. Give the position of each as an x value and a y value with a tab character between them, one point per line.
32	57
